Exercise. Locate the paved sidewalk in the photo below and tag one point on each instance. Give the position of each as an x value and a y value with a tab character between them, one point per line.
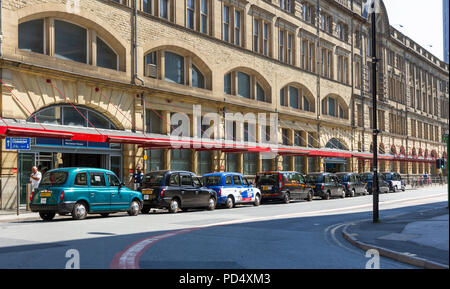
11	215
419	238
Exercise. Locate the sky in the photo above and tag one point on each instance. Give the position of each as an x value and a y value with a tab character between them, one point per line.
421	21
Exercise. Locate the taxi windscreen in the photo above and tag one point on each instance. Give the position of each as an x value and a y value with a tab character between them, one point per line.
54	178
211	180
153	179
267	179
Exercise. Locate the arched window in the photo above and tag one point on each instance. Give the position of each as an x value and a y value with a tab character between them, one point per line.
334	106
70	41
296	96
177	65
67	115
247	85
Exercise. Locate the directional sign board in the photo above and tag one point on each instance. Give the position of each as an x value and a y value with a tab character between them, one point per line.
17	143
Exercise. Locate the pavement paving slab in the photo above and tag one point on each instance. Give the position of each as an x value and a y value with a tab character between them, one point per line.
421	235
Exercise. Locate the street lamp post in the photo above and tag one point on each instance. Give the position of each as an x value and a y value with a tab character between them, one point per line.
375	187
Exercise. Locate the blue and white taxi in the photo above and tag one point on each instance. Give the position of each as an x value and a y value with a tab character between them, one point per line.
232	189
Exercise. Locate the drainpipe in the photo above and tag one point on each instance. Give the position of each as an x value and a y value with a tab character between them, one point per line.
136	75
318	68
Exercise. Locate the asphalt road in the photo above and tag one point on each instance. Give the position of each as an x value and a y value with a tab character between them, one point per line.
271	236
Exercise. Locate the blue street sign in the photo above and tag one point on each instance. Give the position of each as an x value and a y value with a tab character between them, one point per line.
17	143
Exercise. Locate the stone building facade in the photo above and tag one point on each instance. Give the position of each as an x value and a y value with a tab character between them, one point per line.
310	66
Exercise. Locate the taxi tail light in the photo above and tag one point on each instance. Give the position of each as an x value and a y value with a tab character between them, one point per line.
348	186
62	196
31	196
220	192
280	180
161	194
321	186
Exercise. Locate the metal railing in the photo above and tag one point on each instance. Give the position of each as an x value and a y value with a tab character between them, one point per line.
419	181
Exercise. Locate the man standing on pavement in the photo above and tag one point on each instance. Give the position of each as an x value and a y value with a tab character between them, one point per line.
137	178
35	178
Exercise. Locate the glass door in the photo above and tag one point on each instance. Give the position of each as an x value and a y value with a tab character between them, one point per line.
25	162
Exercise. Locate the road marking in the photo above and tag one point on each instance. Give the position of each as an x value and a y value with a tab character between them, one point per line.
129	257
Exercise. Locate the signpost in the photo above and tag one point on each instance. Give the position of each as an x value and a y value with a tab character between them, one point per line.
17	143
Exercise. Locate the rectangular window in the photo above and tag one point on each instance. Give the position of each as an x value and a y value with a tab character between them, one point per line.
304	44
237	27
164	9
281	48
256	35
293	97
31	36
226	23
282	98
243	85
331	107
204	16
265	39
227	83
311	57
147	6
190	14
290	53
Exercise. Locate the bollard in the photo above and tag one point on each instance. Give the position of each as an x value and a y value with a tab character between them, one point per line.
28	196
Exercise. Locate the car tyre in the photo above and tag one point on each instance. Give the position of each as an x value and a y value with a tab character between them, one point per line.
47	216
353	193
229	203
174	206
309	198
287	198
134	208
257	200
79	211
211	204
327	196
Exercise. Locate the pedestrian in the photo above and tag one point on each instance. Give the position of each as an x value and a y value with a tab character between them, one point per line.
35	178
137	178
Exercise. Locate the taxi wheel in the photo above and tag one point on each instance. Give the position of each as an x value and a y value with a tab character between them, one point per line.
47	216
287	198
79	211
257	200
353	194
229	203
174	206
310	196
134	208
211	204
